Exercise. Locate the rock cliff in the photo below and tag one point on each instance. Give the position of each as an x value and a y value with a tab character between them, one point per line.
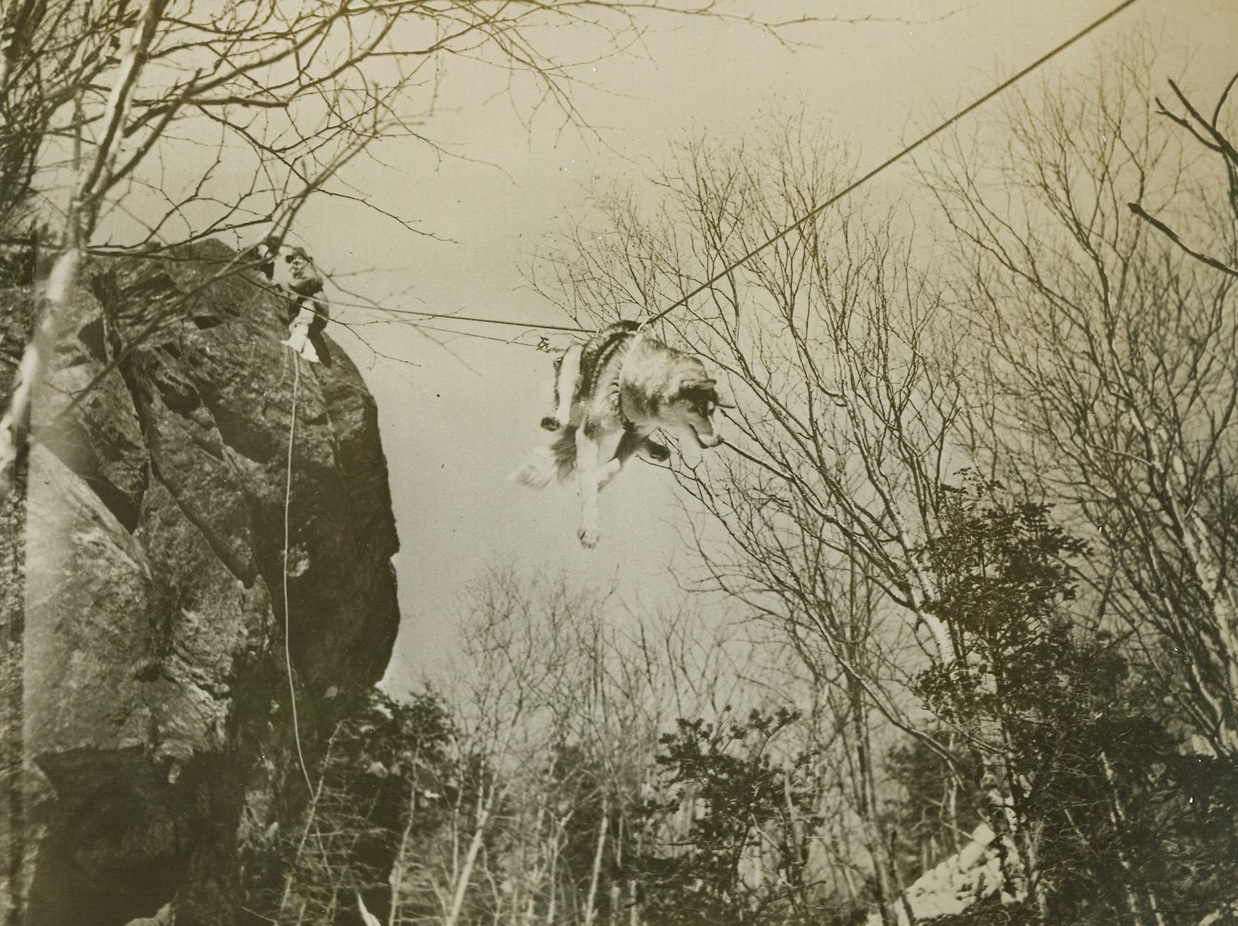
159	731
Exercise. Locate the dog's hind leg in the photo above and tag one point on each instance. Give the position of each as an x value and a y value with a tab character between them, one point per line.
567	384
587	474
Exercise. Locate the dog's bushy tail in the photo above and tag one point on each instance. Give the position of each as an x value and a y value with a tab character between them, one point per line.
549	463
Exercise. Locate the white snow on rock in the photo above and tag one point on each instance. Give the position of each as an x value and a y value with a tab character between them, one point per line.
955	884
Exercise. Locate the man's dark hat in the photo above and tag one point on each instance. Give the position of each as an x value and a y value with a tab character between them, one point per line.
297	252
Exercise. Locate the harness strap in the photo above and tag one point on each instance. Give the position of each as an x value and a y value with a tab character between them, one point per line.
617	401
597	353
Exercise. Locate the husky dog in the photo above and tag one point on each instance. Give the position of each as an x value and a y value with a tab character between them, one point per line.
568	367
611	394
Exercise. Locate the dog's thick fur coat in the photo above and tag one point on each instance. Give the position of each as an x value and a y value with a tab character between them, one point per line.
612	393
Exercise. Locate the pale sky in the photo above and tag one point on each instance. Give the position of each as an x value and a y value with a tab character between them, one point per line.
455	423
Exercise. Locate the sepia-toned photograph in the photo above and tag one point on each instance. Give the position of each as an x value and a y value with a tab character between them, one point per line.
618	463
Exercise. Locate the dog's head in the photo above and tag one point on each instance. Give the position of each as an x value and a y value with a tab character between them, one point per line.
695	406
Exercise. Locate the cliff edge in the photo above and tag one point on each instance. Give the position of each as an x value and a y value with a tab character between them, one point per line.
159	729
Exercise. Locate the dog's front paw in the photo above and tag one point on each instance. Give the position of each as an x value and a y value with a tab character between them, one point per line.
588	536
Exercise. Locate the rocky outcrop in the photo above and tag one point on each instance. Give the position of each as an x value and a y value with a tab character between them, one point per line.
160	727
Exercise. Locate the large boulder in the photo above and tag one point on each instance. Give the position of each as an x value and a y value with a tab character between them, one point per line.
208	588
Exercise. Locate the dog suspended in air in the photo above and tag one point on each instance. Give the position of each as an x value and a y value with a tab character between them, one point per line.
611	394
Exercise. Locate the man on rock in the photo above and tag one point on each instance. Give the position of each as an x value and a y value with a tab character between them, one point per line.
306	290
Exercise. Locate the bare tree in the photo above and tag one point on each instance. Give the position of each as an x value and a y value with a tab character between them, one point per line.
562	698
1212	133
1108	358
517	701
850	427
847	412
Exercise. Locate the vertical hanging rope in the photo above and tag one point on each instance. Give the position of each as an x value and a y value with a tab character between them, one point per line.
292	692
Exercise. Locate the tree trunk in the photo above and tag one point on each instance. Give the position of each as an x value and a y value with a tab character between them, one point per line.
595	874
470	857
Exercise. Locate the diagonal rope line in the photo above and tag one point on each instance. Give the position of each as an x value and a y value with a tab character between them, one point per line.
450	317
923	139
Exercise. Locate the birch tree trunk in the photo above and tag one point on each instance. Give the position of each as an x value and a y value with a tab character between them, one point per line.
596	872
465	875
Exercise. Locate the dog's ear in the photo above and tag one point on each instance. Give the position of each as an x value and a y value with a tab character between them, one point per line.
707	389
697	389
721	397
